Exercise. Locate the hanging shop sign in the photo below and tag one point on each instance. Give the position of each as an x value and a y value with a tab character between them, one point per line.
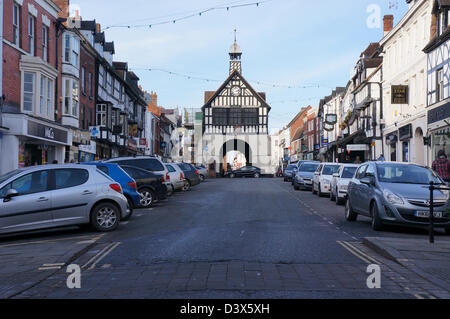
132	145
328	127
331	119
324	141
399	94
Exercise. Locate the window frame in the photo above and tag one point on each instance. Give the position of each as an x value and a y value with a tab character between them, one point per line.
45	49
16	24
32	34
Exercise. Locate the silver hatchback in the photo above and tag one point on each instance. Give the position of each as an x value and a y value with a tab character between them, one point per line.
59	195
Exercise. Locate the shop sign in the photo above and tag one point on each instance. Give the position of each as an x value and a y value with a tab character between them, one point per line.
331	119
328	127
132	145
399	94
95	131
405	132
324	141
91	148
440	113
81	137
47	132
357	147
143	142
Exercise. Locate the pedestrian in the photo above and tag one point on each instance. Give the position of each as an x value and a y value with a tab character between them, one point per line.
442	166
381	158
358	160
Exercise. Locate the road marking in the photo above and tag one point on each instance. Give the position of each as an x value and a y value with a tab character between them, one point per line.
50	268
364	254
418	296
353	252
52	241
51	265
96	255
104	255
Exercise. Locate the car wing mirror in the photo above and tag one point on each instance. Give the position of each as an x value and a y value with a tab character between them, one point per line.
10	194
369	181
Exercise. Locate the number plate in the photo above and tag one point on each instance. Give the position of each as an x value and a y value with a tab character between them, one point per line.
425	214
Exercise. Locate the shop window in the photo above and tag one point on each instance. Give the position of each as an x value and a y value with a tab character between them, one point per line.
405	151
393	152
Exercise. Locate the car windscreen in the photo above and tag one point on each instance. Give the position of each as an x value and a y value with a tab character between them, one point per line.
330	170
406	174
308	168
349	172
7	176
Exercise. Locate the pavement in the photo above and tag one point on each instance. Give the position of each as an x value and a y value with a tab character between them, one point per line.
241	238
430	261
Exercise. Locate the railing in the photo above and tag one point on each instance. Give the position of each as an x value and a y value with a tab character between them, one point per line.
433	188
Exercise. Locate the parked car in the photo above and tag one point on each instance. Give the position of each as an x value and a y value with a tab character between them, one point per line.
340	181
128	184
149	163
190	173
288	172
295	170
396	193
305	175
202	172
177	179
49	196
150	185
247	171
322	178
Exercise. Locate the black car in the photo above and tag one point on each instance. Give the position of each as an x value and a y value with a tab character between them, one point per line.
190	173
150	185
247	171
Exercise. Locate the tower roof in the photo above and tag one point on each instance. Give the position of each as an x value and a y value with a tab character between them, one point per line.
235	48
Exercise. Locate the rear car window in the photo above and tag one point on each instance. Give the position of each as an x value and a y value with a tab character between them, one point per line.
149	164
330	170
170	168
66	178
104	169
185	167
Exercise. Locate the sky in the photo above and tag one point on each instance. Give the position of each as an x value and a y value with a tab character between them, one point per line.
298	43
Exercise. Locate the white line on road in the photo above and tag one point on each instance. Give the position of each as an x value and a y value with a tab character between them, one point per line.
104	255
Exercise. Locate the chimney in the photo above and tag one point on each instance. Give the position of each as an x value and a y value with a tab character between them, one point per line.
154	98
64	6
388	24
99	28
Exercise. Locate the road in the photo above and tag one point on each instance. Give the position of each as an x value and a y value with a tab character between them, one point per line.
241	238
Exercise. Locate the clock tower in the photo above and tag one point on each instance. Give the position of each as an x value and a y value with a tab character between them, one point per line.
235	56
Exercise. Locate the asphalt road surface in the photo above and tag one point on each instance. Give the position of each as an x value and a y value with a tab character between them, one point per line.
226	238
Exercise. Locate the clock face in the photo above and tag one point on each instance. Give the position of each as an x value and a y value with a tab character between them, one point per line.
235	90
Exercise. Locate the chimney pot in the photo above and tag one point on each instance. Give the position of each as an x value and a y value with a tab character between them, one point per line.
388	23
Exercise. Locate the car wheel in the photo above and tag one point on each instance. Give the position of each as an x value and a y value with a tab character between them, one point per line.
257	175
319	192
170	190
350	214
313	190
186	186
105	217
147	197
130	206
377	224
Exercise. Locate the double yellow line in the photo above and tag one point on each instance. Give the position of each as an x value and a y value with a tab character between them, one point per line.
358	253
100	256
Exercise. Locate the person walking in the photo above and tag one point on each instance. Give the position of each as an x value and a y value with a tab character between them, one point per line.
442	166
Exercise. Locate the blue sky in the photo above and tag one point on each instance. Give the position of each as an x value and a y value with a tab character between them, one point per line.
287	42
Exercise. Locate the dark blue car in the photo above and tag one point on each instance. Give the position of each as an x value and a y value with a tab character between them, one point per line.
128	184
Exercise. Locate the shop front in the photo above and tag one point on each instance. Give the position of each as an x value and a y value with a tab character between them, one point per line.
87	153
31	141
79	139
439	130
391	142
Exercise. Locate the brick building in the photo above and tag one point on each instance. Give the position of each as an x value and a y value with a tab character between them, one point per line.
30	73
297	127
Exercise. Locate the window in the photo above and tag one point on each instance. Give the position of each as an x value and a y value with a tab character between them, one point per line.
101	79
370	171
31	34
83	116
75	51
439	85
49	97
104	169
152	165
83	80
42	101
67	48
45	44
75	98
16	25
101	115
170	169
28	92
66	178
360	172
33	183
90	85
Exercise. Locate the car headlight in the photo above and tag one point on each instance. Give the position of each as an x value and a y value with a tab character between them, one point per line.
343	187
392	198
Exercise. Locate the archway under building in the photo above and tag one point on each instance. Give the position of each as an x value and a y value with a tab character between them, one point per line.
239	150
419	145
